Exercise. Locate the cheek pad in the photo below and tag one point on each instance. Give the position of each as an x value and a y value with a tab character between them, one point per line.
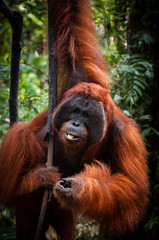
97	124
62	113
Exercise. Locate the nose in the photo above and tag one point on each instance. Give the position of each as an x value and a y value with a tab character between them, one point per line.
76	123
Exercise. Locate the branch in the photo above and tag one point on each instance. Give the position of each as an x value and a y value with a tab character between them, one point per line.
52	105
37	69
16	20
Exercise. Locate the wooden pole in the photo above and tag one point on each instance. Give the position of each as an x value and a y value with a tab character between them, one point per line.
16	20
52	105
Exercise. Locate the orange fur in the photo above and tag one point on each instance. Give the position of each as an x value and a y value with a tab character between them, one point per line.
113	191
22	161
76	45
113	185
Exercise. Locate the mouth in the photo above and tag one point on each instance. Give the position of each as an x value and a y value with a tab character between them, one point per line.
71	137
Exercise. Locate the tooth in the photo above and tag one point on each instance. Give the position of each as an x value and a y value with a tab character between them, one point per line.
70	136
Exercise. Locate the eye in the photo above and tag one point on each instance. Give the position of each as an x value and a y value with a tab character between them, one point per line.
76	111
85	115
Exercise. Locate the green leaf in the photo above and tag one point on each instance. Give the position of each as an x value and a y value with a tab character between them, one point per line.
140	84
149	225
137	89
146	132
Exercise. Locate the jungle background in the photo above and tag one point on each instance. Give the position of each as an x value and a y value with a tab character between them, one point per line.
128	33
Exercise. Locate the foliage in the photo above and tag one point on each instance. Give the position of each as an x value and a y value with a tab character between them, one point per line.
129	50
33	86
7	223
88	230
